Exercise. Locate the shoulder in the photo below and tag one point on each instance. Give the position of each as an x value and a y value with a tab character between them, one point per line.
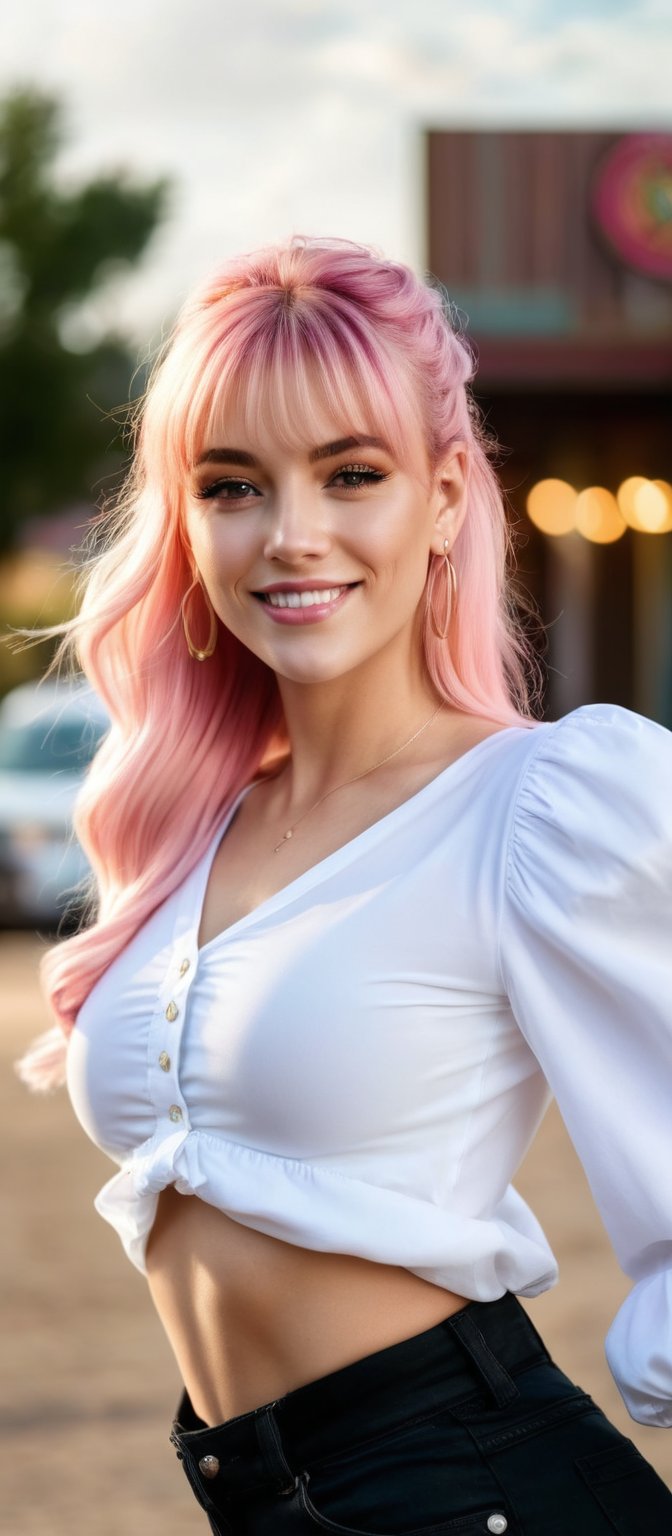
595	790
597	750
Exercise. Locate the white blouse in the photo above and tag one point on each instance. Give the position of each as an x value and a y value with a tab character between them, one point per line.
360	1064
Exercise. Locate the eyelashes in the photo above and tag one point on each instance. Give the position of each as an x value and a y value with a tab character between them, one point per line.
362	474
207	492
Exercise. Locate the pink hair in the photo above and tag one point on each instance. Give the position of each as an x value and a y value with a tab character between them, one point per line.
290	333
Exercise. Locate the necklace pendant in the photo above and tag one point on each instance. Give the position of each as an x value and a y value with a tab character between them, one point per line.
285	837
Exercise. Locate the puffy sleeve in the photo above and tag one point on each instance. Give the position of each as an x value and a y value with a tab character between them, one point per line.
586	962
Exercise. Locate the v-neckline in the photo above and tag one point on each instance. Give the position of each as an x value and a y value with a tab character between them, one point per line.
331	861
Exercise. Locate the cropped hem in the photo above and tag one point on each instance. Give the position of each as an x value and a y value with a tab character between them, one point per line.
327	1210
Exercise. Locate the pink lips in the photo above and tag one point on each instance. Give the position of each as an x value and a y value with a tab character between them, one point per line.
311	615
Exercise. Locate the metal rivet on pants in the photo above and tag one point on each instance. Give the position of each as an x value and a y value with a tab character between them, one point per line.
291	1488
497	1524
209	1466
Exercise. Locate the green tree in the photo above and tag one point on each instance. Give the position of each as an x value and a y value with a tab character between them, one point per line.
57	247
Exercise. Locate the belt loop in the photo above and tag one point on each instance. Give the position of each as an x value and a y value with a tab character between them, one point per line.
496	1377
276	1466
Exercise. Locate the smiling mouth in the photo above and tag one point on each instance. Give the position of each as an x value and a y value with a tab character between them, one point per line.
313	599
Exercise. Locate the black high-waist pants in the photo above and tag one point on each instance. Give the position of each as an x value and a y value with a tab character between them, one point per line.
467	1429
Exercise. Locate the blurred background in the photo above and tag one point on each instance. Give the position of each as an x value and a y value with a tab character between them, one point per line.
522	157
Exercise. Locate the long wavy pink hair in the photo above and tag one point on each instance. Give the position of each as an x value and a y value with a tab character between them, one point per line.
298	328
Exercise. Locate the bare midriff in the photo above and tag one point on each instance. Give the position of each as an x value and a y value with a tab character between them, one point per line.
250	1317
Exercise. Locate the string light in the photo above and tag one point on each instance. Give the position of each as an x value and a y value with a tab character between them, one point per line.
556	508
598	517
551	506
627	496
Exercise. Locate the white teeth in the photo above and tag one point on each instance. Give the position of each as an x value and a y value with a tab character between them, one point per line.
303	599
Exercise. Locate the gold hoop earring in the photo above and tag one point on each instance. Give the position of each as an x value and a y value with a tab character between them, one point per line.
448	569
194	650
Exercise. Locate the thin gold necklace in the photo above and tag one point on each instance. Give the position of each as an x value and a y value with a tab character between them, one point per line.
290	830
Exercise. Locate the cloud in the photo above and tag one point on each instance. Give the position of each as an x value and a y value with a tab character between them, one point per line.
308	116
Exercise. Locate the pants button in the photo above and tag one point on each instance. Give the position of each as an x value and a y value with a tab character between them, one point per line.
209	1466
497	1524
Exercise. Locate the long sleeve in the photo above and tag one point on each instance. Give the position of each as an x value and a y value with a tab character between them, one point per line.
586	961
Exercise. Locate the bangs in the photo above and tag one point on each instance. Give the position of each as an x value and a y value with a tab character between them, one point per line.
301	380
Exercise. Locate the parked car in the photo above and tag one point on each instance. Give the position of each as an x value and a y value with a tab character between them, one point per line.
48	735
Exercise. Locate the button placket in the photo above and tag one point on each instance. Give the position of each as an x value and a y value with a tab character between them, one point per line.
166	1036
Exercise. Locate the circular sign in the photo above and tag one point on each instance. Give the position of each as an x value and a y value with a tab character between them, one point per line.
632	202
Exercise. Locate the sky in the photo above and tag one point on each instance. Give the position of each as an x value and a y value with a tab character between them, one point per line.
275	117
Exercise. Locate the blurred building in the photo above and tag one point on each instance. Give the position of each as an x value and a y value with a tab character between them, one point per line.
557	248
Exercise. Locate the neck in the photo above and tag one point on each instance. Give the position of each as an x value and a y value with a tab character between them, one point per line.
342	728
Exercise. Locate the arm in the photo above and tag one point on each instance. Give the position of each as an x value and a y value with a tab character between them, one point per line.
586	961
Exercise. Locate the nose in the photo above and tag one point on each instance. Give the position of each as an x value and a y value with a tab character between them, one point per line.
297	529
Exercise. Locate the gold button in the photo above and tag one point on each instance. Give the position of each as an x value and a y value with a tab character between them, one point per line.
184	967
209	1466
171	1012
164	1061
174	1113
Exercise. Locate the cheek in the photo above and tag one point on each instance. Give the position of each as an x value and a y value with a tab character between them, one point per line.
221	551
400	546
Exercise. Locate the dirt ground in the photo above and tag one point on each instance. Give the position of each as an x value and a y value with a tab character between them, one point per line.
93	1385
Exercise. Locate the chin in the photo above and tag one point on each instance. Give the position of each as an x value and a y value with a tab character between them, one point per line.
312	676
313	669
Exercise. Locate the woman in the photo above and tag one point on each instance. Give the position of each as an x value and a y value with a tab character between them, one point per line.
359	913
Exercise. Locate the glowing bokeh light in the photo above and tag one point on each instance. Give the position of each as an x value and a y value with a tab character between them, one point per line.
551	506
666	490
651	507
626	497
598	516
556	508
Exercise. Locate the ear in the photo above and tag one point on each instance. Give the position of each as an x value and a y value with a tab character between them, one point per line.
449	497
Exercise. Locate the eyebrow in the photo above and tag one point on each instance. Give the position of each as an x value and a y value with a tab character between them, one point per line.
327	451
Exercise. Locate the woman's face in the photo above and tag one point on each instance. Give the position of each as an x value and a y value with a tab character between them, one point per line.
316	558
